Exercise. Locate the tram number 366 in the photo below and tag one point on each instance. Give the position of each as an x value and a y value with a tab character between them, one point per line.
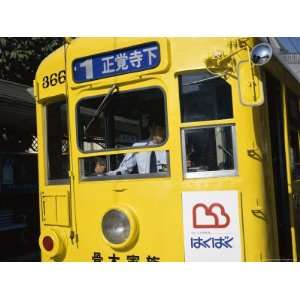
54	79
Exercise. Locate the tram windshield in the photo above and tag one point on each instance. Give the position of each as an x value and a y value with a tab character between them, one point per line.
124	122
133	119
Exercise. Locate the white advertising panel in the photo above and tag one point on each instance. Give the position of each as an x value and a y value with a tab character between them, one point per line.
211	226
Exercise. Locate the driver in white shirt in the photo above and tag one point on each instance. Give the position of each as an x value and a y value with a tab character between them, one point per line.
146	162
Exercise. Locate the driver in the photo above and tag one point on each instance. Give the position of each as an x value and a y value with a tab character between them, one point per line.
146	162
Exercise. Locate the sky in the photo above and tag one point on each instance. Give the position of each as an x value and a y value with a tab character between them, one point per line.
292	44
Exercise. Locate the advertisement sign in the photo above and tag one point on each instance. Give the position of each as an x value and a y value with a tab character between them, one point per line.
211	226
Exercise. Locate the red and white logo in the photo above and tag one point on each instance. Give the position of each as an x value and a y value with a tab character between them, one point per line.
213	216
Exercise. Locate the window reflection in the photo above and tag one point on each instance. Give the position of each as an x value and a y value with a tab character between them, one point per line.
204	98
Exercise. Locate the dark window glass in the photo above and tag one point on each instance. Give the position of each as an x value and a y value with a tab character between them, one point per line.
209	149
204	97
57	141
125	121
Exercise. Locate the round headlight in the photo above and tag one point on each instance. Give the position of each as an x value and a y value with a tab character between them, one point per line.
116	226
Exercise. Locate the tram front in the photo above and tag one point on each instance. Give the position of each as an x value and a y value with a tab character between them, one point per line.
139	155
123	186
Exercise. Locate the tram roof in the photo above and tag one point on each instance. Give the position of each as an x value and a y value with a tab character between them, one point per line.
287	73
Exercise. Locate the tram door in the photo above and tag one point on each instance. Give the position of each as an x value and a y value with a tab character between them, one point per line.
55	196
293	157
127	205
276	124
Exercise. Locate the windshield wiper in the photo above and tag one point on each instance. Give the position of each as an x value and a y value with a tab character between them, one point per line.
101	107
201	80
225	151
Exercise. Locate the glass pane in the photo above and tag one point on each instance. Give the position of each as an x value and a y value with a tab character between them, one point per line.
125	165
209	149
204	98
57	141
127	120
294	130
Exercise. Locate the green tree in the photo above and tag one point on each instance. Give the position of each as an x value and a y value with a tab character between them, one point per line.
20	57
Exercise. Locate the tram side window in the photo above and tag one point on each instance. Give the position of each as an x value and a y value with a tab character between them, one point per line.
57	142
209	151
294	132
204	97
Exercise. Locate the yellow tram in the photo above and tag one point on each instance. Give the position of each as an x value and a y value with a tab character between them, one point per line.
167	149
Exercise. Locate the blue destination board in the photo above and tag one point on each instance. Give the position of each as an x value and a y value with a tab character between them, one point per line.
118	62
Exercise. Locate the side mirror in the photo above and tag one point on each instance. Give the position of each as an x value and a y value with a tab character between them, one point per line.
261	54
249	75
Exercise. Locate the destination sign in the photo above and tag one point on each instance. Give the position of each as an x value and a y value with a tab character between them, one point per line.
118	62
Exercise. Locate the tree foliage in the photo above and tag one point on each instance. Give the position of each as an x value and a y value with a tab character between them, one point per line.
20	57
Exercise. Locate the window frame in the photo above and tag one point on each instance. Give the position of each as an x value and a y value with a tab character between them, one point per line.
194	125
83	178
180	90
209	174
125	148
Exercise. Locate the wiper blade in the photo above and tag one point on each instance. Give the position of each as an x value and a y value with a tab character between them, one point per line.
201	80
225	151
101	107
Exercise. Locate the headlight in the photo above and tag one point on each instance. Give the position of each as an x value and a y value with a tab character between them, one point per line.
116	226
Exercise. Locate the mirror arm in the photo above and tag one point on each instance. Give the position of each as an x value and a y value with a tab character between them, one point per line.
232	54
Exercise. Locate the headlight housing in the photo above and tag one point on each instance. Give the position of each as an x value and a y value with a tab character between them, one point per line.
116	226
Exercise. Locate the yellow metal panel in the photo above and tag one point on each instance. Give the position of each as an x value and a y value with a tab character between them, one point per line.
63	210
250	86
50	78
49	210
56	210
